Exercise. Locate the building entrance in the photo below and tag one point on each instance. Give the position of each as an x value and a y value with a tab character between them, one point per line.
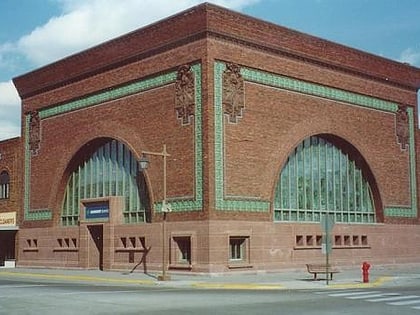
7	246
96	246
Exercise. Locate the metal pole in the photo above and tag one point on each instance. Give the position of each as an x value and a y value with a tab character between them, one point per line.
327	255
164	154
164	277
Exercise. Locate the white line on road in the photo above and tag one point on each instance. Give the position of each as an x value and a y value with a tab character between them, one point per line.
22	285
405	302
395	298
341	290
98	292
369	296
353	293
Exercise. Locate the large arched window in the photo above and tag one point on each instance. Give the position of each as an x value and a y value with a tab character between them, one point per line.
4	185
320	178
111	170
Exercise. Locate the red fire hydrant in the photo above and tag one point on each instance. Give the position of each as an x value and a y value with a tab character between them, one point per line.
365	271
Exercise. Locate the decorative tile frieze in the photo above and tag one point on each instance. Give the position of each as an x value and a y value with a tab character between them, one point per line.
185	94
401	212
401	126
413	169
233	92
34	132
193	73
291	84
345	97
109	95
38	215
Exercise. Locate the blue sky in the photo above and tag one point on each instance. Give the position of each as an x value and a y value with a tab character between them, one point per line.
34	33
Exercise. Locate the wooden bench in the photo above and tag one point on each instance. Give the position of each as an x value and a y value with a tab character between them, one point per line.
321	268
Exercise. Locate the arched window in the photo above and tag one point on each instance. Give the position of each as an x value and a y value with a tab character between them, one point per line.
320	178
4	185
110	171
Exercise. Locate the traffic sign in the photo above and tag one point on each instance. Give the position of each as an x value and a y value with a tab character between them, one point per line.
326	245
327	223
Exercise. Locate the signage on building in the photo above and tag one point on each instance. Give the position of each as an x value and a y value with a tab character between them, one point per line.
7	219
97	211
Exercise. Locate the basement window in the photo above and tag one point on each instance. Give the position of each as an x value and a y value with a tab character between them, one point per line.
183	249
238	248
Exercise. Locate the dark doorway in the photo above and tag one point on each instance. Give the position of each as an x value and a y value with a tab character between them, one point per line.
96	246
7	246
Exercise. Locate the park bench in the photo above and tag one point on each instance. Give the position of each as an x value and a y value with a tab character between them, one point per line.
315	269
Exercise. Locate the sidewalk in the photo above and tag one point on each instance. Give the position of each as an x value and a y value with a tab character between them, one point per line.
380	276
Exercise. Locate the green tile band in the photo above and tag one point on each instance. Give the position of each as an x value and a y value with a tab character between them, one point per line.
411	211
291	84
250	204
186	204
110	95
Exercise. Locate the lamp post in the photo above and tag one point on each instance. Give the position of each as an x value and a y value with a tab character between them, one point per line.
143	165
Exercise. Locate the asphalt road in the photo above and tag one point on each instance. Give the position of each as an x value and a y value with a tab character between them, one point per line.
20	296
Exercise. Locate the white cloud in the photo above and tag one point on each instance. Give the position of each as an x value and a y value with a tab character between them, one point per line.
411	56
86	23
82	24
9	96
9	111
9	129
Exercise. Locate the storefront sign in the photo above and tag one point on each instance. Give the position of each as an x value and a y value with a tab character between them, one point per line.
7	219
97	211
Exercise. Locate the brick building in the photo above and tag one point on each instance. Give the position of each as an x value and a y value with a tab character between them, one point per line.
10	197
266	130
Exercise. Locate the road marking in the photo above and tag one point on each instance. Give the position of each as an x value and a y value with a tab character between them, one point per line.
395	298
76	277
378	282
405	302
237	286
369	296
346	294
97	292
339	290
22	285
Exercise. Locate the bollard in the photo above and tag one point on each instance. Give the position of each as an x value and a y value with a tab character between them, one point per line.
365	272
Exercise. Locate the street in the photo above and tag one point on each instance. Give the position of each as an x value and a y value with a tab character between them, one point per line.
22	296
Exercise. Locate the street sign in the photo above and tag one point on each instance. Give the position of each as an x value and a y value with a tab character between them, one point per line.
326	245
327	223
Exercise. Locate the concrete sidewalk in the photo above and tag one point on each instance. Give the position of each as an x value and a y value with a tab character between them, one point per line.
380	276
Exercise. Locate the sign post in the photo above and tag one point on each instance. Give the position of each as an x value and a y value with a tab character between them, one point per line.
327	224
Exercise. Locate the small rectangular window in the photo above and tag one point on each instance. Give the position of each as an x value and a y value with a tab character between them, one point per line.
238	247
364	240
183	249
4	185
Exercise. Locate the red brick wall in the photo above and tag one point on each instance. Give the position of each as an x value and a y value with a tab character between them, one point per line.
275	121
256	148
143	121
11	161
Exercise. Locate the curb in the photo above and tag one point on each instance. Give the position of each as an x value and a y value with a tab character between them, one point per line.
238	286
78	278
198	285
378	282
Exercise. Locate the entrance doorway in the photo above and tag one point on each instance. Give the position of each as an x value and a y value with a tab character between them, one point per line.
7	246
96	246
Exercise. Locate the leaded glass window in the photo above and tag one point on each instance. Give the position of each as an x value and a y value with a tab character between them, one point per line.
320	178
4	185
111	170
